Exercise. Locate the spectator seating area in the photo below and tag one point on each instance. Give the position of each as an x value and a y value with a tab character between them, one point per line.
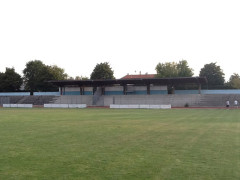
175	100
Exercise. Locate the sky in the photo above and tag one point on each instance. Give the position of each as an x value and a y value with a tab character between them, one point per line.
132	35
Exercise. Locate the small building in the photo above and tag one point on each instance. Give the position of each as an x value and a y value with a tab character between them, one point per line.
139	76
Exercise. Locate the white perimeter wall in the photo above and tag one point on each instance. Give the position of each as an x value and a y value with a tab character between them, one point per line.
17	105
139	106
65	105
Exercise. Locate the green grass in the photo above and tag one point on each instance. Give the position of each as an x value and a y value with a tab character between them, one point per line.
119	144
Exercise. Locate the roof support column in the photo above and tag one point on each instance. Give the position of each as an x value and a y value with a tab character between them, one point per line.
103	90
81	90
61	90
125	89
173	89
148	89
199	89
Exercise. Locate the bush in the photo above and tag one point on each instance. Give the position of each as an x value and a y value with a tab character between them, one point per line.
186	105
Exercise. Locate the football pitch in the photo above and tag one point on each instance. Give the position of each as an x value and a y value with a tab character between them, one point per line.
119	144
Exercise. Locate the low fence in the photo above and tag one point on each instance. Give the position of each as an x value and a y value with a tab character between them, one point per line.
223	91
15	94
46	94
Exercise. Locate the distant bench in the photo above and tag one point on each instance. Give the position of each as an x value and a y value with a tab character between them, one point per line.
65	105
139	106
17	105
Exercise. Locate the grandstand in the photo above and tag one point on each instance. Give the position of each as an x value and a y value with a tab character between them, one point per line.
144	91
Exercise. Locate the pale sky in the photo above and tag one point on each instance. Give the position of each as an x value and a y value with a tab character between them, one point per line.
132	35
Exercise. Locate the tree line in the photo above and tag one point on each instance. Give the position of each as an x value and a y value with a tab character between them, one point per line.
36	76
213	73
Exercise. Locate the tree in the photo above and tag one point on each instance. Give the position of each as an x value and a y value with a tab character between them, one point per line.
1	81
37	75
184	70
57	73
168	69
102	71
214	75
70	78
81	78
173	69
34	75
234	81
10	81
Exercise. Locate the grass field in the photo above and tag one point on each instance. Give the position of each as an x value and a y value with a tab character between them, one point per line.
119	144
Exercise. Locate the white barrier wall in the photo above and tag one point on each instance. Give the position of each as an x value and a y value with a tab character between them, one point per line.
6	105
17	105
165	106
14	105
77	106
65	105
25	105
140	106
144	106
131	106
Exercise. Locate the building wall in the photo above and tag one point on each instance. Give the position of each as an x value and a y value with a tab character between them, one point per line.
142	90
118	90
76	91
71	93
186	92
154	90
114	90
72	89
88	90
135	90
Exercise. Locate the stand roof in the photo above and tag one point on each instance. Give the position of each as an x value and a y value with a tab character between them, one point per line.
110	82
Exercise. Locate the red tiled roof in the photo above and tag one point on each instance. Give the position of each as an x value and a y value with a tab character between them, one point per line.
139	76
